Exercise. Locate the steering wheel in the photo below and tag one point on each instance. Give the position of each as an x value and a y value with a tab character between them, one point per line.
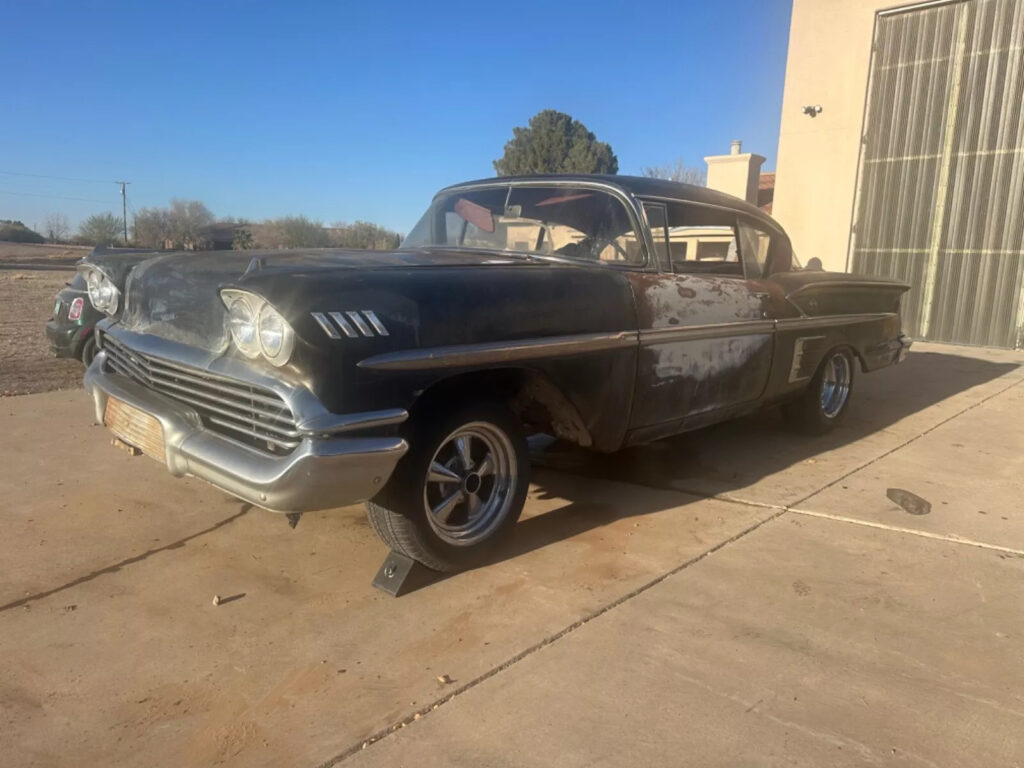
591	247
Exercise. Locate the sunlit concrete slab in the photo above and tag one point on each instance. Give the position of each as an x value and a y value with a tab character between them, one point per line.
966	479
805	643
119	656
71	503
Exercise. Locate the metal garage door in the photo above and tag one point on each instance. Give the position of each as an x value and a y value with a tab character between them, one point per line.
940	203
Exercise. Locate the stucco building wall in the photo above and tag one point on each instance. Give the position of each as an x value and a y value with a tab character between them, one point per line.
816	170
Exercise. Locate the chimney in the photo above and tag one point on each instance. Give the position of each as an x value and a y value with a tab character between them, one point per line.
735	174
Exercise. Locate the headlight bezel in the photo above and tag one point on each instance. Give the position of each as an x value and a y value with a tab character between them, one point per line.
104	295
258	309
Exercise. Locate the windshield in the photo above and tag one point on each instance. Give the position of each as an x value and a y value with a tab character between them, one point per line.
574	222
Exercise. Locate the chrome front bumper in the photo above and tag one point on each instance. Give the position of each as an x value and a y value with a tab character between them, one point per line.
321	473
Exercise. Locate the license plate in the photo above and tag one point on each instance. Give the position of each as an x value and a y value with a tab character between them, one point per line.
135	427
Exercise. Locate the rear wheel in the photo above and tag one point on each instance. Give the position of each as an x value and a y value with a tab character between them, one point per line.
459	489
824	403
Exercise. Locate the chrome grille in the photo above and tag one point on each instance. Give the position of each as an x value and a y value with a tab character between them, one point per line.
255	415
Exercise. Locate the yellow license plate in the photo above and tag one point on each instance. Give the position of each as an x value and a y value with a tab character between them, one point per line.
135	427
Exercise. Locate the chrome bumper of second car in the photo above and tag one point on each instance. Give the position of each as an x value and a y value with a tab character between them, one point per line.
321	473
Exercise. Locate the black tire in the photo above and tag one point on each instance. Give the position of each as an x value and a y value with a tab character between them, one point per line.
88	351
820	409
466	532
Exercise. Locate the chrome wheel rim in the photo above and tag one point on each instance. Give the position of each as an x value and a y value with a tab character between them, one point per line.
835	385
469	484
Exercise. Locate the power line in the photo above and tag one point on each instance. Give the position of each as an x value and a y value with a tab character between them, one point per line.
56	197
59	178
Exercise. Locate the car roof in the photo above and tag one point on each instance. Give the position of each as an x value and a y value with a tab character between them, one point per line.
641	186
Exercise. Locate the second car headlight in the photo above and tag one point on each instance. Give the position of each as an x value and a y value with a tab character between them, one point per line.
257	328
103	294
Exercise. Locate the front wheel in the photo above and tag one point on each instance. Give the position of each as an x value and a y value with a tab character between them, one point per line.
824	403
459	489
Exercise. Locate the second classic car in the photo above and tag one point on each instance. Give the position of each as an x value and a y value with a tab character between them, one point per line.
605	310
70	329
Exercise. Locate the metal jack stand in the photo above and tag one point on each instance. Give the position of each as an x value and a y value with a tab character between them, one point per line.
399	575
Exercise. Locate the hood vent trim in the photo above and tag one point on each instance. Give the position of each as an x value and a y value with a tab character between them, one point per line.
350	323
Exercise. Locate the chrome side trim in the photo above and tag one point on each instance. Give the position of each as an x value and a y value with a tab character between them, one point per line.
526	349
332	424
498	352
327	327
797	323
698	332
343	324
847	284
798	357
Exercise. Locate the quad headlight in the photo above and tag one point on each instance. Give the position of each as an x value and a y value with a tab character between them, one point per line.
103	294
257	328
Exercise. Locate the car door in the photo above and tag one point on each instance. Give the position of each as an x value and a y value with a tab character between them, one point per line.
706	330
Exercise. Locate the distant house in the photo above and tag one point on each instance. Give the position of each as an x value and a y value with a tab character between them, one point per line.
219	236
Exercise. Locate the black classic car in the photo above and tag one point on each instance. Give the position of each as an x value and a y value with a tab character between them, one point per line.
604	310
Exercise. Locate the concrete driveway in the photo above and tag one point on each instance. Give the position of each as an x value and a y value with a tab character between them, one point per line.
737	596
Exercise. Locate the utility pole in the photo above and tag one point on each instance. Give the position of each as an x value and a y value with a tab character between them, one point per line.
124	208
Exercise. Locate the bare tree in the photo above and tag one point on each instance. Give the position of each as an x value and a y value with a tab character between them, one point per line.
151	229
292	232
100	229
677	171
188	219
182	225
56	228
365	235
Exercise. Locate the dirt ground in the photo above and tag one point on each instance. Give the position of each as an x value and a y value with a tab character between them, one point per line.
31	253
26	364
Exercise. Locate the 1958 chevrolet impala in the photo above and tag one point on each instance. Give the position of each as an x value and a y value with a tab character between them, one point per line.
605	310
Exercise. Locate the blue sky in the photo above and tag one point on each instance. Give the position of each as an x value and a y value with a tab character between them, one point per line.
346	111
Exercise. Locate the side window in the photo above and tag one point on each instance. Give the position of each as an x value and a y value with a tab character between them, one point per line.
755	244
702	241
655	213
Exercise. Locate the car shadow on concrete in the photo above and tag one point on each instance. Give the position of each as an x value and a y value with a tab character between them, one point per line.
733	455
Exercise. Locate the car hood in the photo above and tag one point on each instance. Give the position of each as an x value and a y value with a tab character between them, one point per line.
177	295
